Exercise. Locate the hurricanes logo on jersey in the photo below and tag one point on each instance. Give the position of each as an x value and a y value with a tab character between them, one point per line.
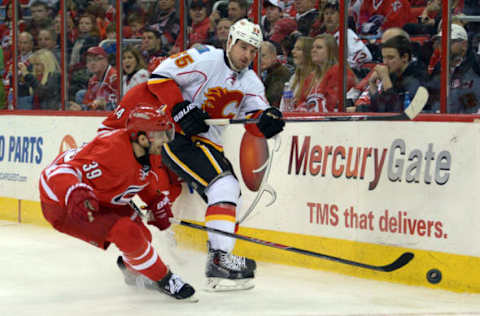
221	102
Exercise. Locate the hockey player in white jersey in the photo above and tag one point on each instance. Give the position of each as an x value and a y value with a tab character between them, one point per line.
206	82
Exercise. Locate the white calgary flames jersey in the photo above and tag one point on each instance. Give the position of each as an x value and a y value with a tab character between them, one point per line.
206	80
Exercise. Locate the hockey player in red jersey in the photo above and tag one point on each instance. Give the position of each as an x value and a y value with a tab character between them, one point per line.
206	82
85	192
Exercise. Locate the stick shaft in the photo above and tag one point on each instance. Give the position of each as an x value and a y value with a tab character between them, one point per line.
397	264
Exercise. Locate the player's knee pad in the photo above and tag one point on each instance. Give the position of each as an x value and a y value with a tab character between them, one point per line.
224	189
126	235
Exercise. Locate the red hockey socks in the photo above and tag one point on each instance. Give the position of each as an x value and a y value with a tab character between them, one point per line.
221	216
138	253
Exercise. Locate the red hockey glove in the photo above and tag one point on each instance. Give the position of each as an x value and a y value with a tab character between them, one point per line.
81	202
160	212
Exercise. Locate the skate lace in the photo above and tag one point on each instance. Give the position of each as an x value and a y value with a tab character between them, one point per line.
233	262
175	284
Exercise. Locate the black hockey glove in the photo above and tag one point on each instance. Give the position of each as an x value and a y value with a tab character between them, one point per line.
271	123
190	118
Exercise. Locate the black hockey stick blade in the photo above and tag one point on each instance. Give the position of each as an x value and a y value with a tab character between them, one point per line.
414	108
397	264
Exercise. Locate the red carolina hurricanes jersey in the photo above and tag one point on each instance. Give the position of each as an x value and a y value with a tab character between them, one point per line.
108	165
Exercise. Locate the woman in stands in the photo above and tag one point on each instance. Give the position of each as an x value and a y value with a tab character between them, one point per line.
303	67
133	66
320	90
44	83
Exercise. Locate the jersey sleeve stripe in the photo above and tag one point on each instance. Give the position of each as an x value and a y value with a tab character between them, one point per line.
47	189
157	81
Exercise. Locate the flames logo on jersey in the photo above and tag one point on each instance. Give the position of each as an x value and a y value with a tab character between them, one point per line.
221	102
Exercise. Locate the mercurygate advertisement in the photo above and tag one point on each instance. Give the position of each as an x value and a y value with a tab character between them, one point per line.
408	184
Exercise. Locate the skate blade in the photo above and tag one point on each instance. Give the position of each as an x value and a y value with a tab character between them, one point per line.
227	285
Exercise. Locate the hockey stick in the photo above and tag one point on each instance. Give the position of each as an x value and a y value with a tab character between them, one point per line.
397	264
414	108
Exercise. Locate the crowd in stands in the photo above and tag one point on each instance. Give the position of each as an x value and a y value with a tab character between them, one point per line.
393	47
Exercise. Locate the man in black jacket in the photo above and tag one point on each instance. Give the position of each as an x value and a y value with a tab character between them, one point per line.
394	83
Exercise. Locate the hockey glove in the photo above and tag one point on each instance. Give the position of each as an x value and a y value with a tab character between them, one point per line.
271	123
81	202
160	212
190	118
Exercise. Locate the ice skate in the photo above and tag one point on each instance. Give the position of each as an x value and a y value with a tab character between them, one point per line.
227	272
175	287
171	284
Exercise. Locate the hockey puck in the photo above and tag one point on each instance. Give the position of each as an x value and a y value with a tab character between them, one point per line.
434	276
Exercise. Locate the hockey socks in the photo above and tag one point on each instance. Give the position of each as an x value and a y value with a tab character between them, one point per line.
221	216
138	253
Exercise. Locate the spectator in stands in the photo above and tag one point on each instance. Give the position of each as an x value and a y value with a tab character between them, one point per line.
41	18
136	23
377	16
392	81
464	84
103	85
237	9
47	38
164	20
358	53
274	12
427	21
306	14
199	12
72	31
151	46
219	38
320	90
88	36
302	59
274	74
40	89
133	66
281	30
25	46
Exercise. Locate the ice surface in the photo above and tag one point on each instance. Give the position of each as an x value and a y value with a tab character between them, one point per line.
44	272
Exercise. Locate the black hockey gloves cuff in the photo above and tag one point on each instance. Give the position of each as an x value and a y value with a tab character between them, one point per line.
190	118
271	123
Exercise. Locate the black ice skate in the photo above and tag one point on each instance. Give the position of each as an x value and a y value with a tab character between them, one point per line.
227	272
171	284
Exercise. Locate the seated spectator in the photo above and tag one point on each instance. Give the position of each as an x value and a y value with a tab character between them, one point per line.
320	90
274	74
377	16
25	46
72	31
164	20
428	20
135	23
358	53
199	12
133	66
390	82
151	46
306	15
88	36
220	37
47	38
42	87
102	92
273	13
302	60
41	18
464	84
237	10
282	28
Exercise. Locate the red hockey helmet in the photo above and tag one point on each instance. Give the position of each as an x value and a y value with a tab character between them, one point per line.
150	119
